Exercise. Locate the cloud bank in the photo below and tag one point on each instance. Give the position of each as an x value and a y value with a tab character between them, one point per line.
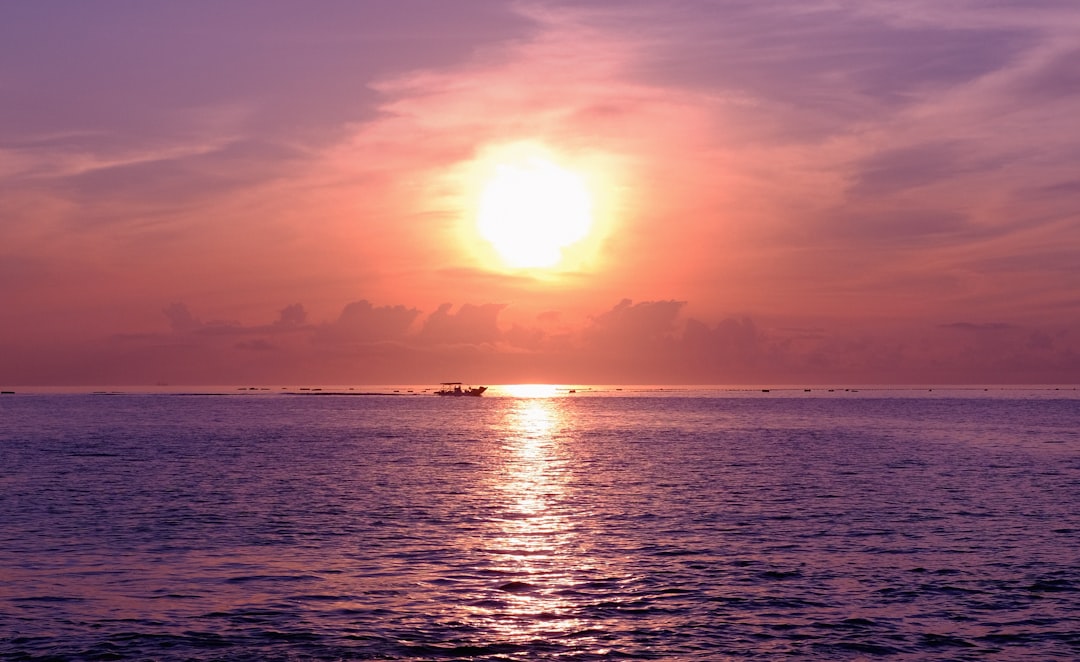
646	342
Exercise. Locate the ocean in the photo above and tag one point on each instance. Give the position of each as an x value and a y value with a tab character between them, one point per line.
651	524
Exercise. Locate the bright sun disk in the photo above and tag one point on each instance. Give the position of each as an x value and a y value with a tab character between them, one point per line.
531	210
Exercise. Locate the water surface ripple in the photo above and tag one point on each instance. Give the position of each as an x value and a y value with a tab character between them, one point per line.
573	528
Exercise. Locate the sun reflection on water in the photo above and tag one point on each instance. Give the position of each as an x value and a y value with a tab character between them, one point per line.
533	547
531	390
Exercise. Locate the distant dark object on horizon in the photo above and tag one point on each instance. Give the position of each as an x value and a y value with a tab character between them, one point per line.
455	389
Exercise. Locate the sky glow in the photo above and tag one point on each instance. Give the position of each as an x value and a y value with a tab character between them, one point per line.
784	192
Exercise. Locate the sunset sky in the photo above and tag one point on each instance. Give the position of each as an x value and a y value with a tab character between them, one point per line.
795	191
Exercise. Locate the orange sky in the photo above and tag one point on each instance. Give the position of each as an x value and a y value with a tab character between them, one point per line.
800	193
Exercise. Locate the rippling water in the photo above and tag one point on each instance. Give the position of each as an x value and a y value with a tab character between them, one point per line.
688	525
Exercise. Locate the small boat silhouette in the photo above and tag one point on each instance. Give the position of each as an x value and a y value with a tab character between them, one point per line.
457	389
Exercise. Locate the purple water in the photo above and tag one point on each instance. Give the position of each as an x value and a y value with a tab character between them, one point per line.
687	525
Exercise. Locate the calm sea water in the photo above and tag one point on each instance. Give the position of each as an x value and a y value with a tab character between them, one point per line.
621	525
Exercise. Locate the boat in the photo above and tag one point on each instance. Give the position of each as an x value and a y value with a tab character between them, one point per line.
458	389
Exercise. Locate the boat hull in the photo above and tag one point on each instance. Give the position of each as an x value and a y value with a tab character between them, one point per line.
458	392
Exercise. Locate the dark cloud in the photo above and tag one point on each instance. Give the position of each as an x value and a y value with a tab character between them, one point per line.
1070	187
525	337
824	67
636	323
183	321
729	352
256	345
731	337
470	325
899	228
291	317
276	69
1040	341
909	167
979	328
1060	260
1057	79
361	322
183	180
21	270
180	318
633	343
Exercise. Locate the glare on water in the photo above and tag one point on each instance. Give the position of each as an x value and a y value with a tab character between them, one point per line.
533	541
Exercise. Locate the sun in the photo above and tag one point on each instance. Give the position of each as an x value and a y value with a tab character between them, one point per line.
531	208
